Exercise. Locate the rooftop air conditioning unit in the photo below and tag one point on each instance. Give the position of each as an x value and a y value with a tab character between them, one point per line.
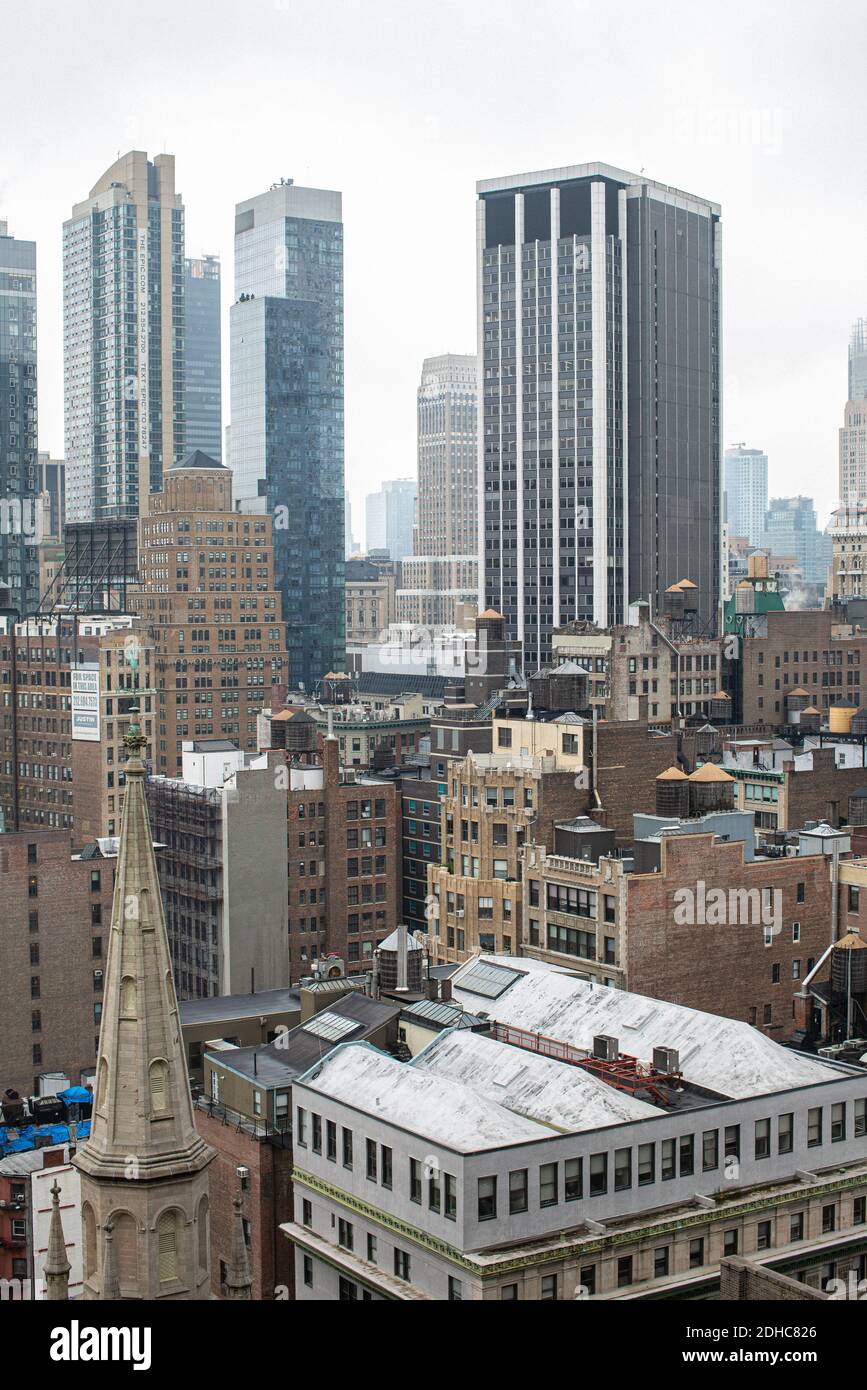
605	1048
666	1059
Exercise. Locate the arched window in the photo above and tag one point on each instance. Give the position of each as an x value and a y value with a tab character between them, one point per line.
167	1241
127	995
159	1085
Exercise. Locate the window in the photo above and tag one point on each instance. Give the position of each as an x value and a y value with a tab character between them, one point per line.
301	1126
371	1249
345	1234
573	1180
696	1252
385	1157
732	1141
730	1242
838	1122
785	1133
763	1139
306	1212
548	1185
548	1290
646	1164
509	1293
518	1191
433	1189
451	1196
814	1128
763	1235
455	1290
687	1158
709	1150
859	1211
401	1264
622	1169
796	1226
331	1140
598	1174
370	1146
487	1199
308	1271
829	1218
587	1279
347	1148
860	1127
624	1271
668	1166
415	1181
348	1291
661	1259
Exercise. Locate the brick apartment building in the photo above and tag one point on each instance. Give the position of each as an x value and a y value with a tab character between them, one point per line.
792	651
494	803
206	595
56	918
623	927
67	687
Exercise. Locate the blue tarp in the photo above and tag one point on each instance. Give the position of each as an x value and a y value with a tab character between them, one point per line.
74	1095
27	1134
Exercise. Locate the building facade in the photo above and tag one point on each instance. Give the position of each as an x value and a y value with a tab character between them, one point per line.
390	518
746	490
203	362
123	338
286	436
594	420
853	453
207	596
21	520
791	530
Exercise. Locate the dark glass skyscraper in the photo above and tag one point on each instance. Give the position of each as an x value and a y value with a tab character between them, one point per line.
202	373
20	516
599	445
286	434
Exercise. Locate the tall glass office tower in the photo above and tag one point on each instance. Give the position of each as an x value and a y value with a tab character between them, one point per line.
599	439
123	338
19	484
286	435
202	371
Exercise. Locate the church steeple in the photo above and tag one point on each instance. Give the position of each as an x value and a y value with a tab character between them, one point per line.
57	1266
144	1182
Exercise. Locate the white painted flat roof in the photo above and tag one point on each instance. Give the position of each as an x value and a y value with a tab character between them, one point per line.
722	1054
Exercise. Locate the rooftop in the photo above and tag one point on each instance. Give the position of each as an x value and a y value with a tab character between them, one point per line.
716	1053
228	1006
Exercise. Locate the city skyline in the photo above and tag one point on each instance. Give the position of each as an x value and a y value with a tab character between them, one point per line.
744	151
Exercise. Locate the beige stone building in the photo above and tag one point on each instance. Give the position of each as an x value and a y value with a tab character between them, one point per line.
847	577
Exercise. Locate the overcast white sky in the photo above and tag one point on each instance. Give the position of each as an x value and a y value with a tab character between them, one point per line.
403	105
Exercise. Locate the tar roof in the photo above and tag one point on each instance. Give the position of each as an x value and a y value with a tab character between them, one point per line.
350	1019
227	1006
720	1054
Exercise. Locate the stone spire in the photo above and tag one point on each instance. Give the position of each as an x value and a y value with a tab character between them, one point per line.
239	1281
110	1282
57	1265
143	1168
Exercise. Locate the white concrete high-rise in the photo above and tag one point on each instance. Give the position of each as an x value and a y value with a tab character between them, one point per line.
746	490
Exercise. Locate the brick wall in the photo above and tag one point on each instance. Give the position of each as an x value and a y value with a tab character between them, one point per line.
740	1280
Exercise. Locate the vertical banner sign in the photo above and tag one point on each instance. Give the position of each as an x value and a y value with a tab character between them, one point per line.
85	703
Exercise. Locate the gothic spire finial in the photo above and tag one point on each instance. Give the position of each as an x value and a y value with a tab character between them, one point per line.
57	1265
239	1281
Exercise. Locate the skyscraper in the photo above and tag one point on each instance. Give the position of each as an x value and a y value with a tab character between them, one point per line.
20	516
746	490
858	361
599	439
202	371
286	436
442	573
123	338
390	518
791	530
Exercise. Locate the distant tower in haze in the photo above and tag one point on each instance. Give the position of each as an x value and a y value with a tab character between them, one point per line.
21	518
746	489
